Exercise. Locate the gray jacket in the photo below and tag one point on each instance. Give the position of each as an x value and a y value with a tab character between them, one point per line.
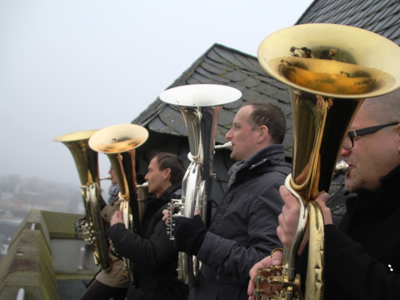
243	230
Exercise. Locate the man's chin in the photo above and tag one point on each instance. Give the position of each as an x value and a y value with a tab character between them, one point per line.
350	186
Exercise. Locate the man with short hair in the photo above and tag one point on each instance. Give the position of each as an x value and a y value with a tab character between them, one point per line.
362	256
243	227
152	251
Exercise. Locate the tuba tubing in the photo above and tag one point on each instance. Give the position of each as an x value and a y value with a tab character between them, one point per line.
86	161
328	76
119	143
200	105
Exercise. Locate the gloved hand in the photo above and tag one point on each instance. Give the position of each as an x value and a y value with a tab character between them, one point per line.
189	234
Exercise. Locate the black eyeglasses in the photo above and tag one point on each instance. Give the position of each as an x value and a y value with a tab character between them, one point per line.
349	140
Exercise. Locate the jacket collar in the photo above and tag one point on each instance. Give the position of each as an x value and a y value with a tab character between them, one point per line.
174	191
258	163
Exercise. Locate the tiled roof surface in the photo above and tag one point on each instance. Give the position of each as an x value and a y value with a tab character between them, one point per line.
226	66
221	65
379	16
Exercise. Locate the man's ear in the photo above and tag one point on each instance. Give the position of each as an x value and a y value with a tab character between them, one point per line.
263	133
167	174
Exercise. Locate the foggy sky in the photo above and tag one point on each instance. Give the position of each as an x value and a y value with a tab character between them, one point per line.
68	66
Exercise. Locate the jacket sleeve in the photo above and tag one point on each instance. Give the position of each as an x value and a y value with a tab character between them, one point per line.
351	272
233	260
155	251
108	211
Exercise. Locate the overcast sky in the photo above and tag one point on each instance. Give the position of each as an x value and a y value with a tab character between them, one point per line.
70	65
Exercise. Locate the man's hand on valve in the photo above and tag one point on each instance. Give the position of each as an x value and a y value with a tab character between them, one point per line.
288	221
273	260
117	217
165	213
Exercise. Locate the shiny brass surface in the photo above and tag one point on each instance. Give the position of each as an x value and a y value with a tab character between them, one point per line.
200	105
91	229
341	167
330	70
119	142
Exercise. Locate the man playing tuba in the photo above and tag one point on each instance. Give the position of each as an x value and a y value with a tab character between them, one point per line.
152	251
243	228
362	255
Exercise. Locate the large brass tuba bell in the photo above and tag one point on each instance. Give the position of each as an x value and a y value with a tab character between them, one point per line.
200	105
119	142
86	160
330	69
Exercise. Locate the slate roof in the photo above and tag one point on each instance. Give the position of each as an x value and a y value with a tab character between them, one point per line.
379	16
225	66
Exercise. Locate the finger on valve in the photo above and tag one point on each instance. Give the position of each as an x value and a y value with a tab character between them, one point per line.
259	286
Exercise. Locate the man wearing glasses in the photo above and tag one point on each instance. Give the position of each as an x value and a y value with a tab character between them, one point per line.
362	258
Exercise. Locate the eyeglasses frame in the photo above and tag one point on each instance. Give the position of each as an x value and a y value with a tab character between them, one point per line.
360	132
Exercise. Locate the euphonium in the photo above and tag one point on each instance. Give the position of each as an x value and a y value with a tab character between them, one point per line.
86	161
330	69
119	143
200	105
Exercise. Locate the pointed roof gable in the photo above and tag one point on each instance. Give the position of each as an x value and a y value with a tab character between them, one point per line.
225	66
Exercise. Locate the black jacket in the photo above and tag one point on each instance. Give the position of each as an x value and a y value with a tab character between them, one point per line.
362	257
152	251
243	230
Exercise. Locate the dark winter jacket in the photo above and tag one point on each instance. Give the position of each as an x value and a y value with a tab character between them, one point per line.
362	258
243	230
152	251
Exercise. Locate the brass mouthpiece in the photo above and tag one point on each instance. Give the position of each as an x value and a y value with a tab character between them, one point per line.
341	167
227	145
106	178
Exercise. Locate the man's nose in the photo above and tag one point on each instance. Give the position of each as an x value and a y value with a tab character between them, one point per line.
228	135
345	152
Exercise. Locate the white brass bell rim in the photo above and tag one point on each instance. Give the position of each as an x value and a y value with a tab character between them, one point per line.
200	95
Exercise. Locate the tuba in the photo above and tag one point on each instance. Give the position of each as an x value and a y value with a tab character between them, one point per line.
92	228
200	105
330	70
119	142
